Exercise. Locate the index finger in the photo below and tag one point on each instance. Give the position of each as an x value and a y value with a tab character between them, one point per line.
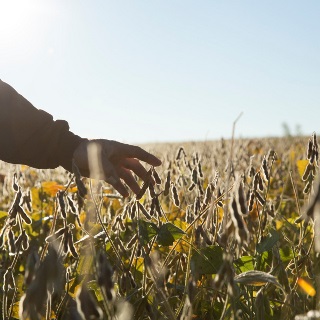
130	151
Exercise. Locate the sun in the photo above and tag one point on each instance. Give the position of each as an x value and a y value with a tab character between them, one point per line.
17	18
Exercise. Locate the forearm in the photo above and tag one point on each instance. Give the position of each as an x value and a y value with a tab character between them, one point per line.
30	136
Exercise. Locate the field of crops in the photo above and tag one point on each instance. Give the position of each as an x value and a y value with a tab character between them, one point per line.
222	230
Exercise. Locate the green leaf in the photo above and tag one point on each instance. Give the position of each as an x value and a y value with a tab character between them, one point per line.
286	254
168	233
147	230
93	285
268	243
244	263
208	261
85	264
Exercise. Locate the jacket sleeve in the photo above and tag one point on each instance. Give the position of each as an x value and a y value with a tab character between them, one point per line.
30	136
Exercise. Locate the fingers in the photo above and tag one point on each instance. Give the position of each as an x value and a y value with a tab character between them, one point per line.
112	177
129	151
135	166
113	161
127	177
118	185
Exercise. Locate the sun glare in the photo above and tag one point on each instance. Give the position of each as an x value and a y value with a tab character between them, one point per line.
15	19
23	24
19	19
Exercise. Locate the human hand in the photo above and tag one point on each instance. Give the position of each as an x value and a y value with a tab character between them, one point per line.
113	161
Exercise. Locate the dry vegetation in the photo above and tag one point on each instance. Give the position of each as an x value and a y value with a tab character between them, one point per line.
221	234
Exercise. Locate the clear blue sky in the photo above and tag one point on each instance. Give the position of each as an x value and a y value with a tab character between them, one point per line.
150	71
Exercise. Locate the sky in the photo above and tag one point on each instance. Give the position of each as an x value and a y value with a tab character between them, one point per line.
141	71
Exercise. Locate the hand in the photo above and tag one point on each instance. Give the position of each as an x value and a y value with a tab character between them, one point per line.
112	161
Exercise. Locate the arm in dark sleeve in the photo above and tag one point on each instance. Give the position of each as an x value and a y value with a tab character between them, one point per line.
31	136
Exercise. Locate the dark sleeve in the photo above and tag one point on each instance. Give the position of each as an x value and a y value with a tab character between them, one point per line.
31	136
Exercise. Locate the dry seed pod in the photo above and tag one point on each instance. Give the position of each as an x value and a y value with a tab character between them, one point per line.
26	199
82	190
8	280
200	188
196	206
157	206
200	170
66	242
25	240
307	171
71	246
259	198
237	221
71	205
132	241
309	149
251	201
167	184
242	234
56	235
153	207
307	187
62	204
15	185
241	199
144	186
143	190
179	153
191	187
11	242
260	182
156	176
256	181
16	202
23	215
272	155
144	211
133	210
251	171
175	196
151	190
195	158
195	176
208	194
264	168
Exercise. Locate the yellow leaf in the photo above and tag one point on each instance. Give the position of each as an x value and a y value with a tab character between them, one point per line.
306	287
302	164
51	187
278	224
182	246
